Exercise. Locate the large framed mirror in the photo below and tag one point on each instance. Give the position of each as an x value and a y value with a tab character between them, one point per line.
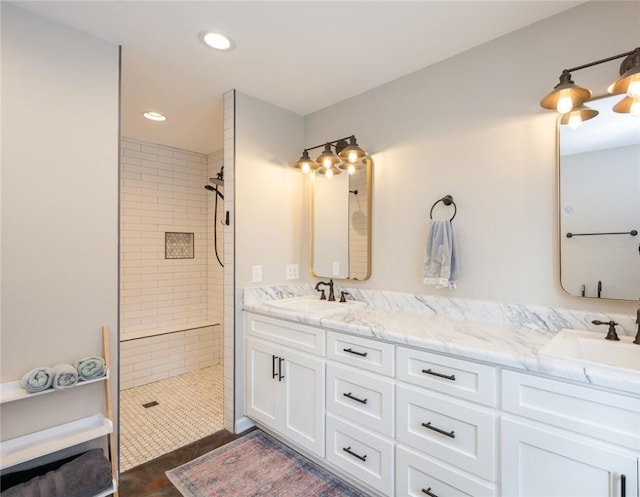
599	203
341	224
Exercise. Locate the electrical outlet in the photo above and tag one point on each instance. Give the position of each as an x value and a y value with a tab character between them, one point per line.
292	272
336	269
256	274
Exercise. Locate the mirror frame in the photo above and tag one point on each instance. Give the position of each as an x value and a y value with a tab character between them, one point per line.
368	162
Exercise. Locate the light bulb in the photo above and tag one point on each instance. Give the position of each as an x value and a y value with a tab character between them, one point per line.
635	108
327	162
575	121
351	169
328	173
353	156
305	167
565	104
633	90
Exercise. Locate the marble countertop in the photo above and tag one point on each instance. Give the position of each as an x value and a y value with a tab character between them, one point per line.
496	343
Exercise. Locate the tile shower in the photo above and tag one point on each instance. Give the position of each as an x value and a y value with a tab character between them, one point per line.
171	285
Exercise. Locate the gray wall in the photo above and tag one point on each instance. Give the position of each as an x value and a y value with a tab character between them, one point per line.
268	195
59	209
471	126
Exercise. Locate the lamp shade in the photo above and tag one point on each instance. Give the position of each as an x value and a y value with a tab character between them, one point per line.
327	158
628	105
352	153
306	163
566	95
328	171
578	115
629	81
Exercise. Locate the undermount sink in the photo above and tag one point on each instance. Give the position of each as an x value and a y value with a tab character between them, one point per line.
311	304
591	349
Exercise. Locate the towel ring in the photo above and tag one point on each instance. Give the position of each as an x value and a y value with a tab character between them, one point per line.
446	200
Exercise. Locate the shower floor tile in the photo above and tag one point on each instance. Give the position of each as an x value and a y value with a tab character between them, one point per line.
189	407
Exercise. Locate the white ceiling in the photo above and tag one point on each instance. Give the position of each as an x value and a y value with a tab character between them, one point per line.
299	55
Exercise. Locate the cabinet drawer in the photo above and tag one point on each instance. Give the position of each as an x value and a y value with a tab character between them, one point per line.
361	352
417	474
366	456
447	429
363	398
463	379
603	415
295	335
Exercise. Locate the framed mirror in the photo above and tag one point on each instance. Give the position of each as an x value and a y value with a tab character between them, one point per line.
341	224
599	203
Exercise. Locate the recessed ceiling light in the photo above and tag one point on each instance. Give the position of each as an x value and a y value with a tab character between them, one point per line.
215	40
154	116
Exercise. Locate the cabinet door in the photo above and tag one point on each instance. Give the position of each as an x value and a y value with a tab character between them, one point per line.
303	402
542	462
262	382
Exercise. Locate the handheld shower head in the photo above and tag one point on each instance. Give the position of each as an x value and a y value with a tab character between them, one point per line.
215	190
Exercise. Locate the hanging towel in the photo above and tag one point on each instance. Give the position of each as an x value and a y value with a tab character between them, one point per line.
66	376
90	368
37	380
441	255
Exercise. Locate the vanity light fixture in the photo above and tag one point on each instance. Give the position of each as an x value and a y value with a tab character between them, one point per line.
338	155
568	99
154	116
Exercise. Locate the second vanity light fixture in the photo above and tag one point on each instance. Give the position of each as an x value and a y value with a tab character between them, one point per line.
338	155
568	98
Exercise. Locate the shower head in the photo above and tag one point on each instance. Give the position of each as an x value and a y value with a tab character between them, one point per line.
218	180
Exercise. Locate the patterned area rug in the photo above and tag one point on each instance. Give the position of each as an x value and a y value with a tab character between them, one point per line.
256	465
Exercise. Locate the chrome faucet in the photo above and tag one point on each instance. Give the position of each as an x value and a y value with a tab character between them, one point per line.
332	297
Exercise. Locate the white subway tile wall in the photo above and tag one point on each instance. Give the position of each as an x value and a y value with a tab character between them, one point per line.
162	190
159	357
215	272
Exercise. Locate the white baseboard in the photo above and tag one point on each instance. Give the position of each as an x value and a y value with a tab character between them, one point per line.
243	424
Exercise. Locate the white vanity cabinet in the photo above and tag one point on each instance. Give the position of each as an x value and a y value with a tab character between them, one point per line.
407	422
285	387
454	439
566	440
360	409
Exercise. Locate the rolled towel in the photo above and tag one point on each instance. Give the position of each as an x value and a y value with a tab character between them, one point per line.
65	376
91	367
88	474
37	380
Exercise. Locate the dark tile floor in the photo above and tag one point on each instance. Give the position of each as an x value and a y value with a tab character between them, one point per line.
149	480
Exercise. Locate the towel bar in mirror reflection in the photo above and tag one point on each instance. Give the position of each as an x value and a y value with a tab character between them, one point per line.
341	224
599	194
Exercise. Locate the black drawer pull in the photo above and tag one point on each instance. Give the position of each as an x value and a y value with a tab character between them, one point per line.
440	375
280	375
350	396
354	352
357	456
451	433
428	492
273	366
623	486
